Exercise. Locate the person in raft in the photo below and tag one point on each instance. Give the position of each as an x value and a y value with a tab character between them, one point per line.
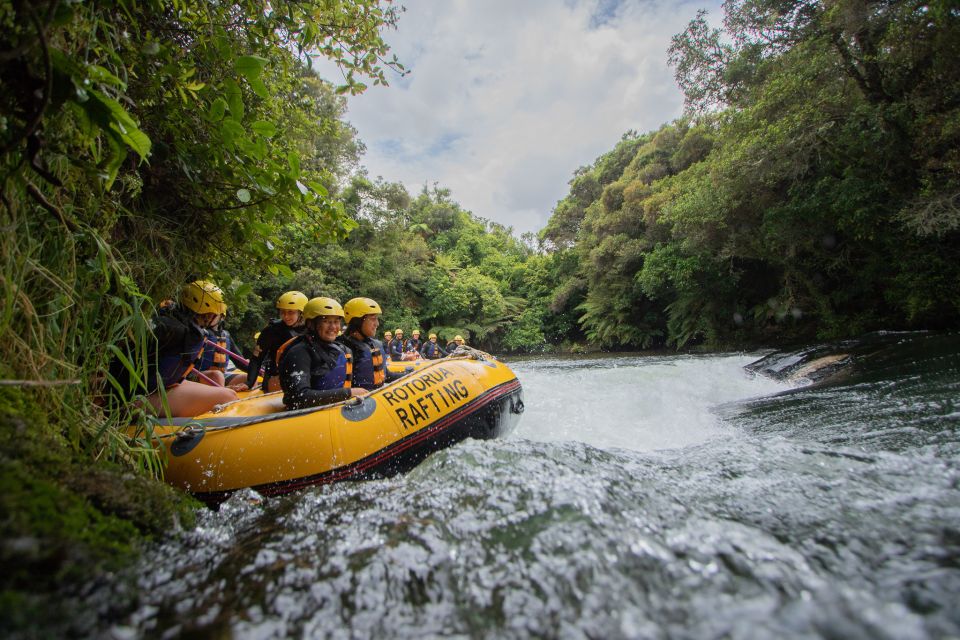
453	344
314	369
431	350
272	336
396	347
413	346
179	331
387	343
219	359
369	364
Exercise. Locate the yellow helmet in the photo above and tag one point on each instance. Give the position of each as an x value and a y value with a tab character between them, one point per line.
256	336
416	332
359	307
399	332
431	336
458	339
387	334
201	296
292	300
317	307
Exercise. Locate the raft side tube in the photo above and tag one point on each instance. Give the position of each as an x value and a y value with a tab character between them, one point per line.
248	444
493	419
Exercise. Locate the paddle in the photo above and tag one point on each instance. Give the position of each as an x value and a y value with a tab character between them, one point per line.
209	380
238	358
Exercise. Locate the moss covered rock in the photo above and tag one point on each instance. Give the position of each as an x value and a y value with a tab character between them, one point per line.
66	519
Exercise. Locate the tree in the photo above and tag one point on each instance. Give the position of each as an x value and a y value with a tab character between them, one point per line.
143	143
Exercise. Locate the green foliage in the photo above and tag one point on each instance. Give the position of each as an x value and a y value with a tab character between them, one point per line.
526	333
428	263
815	194
142	144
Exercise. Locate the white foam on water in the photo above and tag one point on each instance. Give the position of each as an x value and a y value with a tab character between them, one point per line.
635	402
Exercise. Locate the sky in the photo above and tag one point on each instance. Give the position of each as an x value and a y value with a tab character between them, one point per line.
505	99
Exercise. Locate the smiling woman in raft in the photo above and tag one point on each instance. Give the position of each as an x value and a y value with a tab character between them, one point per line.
369	360
315	369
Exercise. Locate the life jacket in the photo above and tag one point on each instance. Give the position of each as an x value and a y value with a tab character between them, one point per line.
212	357
334	360
220	356
396	349
265	351
180	343
369	367
340	376
431	350
413	344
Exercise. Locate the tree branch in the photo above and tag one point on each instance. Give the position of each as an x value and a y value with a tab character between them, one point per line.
49	206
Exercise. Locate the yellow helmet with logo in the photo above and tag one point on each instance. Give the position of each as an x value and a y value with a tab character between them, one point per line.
292	300
317	307
359	307
201	297
431	336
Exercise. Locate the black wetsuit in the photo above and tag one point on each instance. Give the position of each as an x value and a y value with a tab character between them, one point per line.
179	341
313	372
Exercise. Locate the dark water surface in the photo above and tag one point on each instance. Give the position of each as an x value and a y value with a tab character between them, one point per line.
665	497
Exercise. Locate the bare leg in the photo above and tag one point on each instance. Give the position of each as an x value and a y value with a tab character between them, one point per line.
216	375
190	399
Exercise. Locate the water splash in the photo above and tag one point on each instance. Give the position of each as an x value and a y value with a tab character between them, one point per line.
689	508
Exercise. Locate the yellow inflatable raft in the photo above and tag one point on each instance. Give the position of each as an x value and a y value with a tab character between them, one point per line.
254	443
404	366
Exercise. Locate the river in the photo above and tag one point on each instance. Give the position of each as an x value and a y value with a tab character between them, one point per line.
640	497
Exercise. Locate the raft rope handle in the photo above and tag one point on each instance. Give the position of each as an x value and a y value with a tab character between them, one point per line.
470	354
186	429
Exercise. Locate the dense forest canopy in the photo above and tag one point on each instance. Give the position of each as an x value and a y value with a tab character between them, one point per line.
813	190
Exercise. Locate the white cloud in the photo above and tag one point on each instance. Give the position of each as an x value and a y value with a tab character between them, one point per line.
506	99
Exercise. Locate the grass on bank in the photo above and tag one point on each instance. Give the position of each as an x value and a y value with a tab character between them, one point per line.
78	497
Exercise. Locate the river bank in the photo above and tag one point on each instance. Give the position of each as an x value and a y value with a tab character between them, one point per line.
67	521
